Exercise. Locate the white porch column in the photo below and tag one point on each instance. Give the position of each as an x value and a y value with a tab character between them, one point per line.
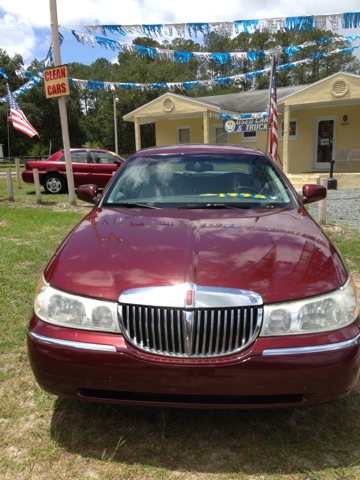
286	139
206	126
137	134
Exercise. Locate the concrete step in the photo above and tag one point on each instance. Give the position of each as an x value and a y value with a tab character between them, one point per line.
344	180
304	178
298	181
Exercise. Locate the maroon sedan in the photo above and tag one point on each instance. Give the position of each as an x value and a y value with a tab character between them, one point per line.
89	166
198	280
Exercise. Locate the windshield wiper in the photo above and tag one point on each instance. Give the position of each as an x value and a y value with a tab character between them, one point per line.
130	205
216	205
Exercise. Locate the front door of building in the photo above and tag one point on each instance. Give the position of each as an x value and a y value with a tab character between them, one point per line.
324	142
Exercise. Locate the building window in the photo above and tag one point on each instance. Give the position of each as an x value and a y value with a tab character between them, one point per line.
217	134
248	137
292	130
183	134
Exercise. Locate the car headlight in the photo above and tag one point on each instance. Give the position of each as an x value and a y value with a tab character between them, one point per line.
323	313
62	308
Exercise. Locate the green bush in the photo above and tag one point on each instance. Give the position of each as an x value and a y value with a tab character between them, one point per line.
38	150
92	145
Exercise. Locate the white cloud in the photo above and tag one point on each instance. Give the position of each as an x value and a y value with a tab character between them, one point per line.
17	36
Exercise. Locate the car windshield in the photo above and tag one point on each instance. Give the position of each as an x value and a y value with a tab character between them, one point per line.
199	180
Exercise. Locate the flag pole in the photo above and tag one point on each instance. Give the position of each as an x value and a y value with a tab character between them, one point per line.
268	130
8	130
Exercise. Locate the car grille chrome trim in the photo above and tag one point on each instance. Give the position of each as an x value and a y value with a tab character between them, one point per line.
314	348
71	344
201	297
190	334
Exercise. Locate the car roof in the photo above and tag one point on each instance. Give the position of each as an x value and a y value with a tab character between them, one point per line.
201	148
84	148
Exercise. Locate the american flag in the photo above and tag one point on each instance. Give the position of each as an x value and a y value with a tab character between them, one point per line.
274	140
17	117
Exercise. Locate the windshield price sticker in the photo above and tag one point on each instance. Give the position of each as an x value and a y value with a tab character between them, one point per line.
246	125
239	195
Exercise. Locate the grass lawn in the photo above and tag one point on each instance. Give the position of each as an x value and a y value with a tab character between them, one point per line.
42	436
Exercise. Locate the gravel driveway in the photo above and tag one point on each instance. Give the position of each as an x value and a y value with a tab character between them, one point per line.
343	207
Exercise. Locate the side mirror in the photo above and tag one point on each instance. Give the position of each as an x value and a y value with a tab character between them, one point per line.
117	162
313	193
87	193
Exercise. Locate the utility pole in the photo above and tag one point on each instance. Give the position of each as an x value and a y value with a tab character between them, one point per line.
115	124
62	104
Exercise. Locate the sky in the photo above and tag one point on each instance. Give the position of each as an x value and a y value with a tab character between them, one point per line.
25	26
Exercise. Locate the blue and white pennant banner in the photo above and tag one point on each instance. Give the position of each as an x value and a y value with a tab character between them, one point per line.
332	22
3	73
185	57
231	80
167	54
50	55
161	30
35	80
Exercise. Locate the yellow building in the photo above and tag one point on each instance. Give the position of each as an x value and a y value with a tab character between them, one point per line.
322	119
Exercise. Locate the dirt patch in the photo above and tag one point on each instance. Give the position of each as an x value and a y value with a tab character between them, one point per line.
337	231
57	207
3	223
62	207
15	454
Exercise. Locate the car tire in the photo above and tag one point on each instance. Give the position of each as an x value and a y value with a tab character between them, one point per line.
54	183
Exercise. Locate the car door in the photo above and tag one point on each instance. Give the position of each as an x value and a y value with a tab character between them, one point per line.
80	166
81	171
104	165
80	163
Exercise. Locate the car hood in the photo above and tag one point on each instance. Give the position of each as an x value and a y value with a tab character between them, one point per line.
280	254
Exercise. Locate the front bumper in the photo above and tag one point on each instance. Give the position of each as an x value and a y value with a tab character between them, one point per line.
273	372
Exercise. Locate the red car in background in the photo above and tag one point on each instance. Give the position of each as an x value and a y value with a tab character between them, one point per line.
89	166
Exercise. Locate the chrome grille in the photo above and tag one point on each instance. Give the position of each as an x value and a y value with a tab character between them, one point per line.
195	333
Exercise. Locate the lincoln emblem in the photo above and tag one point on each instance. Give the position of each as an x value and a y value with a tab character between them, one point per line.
189	298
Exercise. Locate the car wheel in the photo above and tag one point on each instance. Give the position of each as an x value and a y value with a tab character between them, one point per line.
54	183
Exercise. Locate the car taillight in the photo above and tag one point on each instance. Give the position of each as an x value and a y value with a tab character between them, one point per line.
27	166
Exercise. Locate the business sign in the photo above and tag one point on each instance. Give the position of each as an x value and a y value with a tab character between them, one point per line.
246	125
56	82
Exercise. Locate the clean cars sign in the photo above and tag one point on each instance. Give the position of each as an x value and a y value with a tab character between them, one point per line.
56	82
246	125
